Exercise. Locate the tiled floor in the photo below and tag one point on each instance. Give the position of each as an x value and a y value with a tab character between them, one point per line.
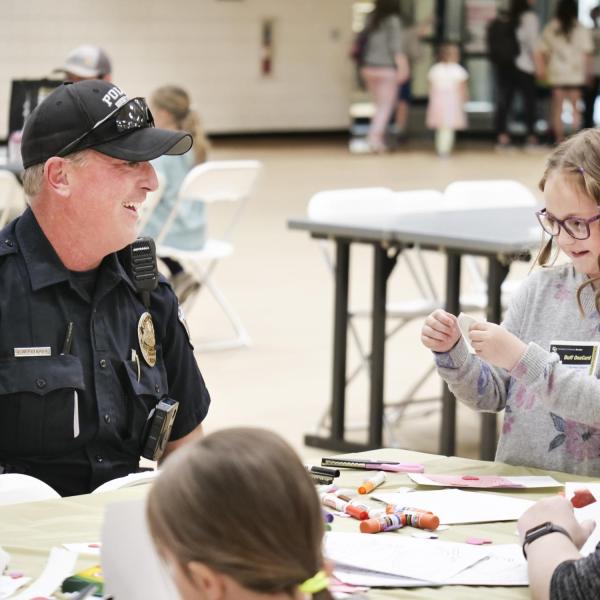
279	283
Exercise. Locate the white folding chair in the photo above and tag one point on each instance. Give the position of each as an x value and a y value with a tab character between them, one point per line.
12	197
16	488
214	181
493	193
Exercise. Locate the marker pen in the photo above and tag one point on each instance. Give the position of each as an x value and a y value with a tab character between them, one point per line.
370	484
323	470
385	523
415	517
342	506
396	467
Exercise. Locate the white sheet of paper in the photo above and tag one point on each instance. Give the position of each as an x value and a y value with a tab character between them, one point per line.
505	566
430	560
4	560
88	549
60	565
464	322
8	585
126	544
524	481
454	506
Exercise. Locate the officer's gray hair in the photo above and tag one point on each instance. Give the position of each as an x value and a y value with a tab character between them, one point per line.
33	177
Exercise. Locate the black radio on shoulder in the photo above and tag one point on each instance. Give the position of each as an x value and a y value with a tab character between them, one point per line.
140	261
159	428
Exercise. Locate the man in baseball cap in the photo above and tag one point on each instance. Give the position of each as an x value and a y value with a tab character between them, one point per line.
85	362
87	62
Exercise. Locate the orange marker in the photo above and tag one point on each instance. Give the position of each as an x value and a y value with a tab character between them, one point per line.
370	484
415	517
385	523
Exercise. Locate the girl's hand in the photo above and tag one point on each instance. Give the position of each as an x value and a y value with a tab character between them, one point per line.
559	511
495	345
440	331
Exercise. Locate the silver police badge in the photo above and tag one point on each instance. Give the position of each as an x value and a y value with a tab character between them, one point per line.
147	339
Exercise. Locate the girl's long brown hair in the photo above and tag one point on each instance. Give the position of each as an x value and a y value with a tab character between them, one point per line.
577	158
240	502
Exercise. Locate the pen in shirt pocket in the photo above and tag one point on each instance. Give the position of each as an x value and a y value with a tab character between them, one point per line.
66	349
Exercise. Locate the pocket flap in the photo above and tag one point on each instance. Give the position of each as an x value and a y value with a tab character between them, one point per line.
40	375
152	379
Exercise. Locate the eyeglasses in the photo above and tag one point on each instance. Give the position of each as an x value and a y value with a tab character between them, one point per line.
576	227
135	114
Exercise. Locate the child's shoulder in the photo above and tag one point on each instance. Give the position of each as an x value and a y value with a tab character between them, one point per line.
549	277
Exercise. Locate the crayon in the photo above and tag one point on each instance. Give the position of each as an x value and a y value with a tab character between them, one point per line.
385	523
370	484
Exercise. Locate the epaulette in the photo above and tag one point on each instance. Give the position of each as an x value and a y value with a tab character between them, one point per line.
8	245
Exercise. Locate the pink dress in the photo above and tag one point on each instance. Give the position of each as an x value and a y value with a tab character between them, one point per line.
445	109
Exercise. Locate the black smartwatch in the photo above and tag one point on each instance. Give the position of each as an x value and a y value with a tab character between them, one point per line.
540	530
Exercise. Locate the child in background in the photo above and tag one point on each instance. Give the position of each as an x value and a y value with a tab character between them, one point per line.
552	410
236	517
447	97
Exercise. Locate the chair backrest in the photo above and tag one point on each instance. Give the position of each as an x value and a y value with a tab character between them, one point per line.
492	193
16	488
216	181
12	198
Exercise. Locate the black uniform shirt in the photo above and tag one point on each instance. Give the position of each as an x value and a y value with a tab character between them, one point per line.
76	420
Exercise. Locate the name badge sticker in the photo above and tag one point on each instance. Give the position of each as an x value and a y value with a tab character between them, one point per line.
577	355
35	351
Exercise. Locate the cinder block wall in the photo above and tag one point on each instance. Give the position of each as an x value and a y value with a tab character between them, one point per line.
211	47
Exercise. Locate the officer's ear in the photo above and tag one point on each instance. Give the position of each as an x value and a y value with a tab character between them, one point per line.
56	174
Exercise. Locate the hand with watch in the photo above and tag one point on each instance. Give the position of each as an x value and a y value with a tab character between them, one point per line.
550	535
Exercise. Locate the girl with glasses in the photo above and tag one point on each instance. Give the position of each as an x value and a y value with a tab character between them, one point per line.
551	409
236	517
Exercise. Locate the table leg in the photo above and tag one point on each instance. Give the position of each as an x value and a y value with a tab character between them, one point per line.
448	429
497	273
335	440
383	265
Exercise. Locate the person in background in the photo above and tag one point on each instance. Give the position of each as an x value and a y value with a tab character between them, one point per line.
447	96
591	90
236	517
566	47
551	409
552	538
172	110
86	62
384	66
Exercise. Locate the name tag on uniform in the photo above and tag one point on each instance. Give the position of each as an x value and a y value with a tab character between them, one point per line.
37	351
577	355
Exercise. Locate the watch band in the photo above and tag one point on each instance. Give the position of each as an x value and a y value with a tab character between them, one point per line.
540	530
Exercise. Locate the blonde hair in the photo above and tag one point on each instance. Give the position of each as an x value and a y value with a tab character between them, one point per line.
578	158
240	502
176	102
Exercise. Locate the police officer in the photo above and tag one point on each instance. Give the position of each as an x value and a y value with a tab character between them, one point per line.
84	361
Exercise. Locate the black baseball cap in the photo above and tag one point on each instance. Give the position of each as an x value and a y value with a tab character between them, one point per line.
96	114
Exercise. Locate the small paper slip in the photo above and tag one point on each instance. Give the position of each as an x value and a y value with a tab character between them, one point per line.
464	322
455	507
89	549
577	355
485	481
428	560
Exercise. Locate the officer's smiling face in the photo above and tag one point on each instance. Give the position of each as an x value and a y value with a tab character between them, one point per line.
107	195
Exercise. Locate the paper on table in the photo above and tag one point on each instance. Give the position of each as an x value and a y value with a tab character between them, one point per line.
126	545
457	506
4	559
9	585
485	481
505	566
430	560
60	565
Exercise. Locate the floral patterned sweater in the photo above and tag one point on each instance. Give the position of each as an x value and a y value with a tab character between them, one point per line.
551	411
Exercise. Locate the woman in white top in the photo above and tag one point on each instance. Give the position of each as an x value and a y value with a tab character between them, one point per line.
591	91
566	47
